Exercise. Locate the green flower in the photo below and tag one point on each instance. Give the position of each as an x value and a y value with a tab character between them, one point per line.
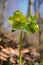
31	24
32	28
19	21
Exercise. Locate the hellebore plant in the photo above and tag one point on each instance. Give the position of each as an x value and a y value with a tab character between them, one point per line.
20	22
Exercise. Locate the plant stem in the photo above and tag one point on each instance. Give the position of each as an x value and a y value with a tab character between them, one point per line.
20	48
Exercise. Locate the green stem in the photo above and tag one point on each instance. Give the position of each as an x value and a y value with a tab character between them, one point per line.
20	48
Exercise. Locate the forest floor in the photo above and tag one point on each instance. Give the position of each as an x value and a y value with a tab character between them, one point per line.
10	56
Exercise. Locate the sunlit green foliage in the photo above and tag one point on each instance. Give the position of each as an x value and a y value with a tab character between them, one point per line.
19	21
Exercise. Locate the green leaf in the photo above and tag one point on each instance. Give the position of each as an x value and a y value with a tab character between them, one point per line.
30	16
34	18
26	29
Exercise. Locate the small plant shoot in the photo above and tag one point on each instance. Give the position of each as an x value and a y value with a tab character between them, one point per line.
19	22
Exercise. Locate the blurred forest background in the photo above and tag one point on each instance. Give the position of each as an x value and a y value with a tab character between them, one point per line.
9	38
7	7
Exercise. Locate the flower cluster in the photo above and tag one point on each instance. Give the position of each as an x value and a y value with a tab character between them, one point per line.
19	21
